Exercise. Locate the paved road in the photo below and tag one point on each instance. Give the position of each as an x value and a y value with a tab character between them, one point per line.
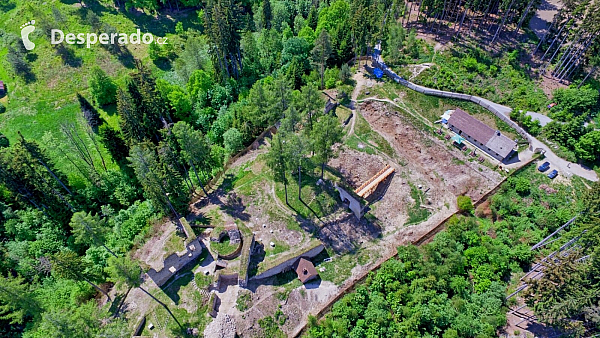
503	112
544	120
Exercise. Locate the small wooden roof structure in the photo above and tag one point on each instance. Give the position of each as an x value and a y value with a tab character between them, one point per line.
306	270
370	186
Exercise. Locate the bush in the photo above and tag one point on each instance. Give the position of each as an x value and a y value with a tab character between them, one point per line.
2	108
232	140
103	89
202	281
465	204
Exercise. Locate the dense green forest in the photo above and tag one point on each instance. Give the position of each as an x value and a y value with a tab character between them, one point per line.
123	138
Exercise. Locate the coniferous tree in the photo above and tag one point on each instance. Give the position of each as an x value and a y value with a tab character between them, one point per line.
277	163
321	54
67	264
194	149
31	177
267	14
89	229
161	184
223	26
114	143
17	302
326	133
103	89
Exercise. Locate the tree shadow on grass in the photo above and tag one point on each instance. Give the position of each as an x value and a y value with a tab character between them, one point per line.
68	56
174	285
235	207
6	6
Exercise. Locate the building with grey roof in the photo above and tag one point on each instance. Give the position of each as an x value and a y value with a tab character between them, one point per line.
481	135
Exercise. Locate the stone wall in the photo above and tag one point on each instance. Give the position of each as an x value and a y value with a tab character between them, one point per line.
355	206
287	264
178	261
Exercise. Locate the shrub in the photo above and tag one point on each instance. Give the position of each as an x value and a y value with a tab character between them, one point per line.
2	108
465	204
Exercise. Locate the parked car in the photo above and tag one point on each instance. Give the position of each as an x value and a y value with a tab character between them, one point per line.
553	174
545	166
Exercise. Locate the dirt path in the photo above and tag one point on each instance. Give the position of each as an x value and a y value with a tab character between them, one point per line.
361	81
418	69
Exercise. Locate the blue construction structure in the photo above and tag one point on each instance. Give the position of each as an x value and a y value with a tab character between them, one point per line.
378	73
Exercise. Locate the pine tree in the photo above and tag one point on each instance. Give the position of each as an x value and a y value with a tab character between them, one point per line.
103	89
17	302
223	26
194	149
321	54
277	163
326	133
163	189
313	17
267	14
114	143
67	264
89	229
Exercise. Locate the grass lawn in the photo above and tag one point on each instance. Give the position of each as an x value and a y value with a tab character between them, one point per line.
224	247
368	138
318	200
340	267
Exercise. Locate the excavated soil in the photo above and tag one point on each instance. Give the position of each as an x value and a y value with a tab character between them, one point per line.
446	171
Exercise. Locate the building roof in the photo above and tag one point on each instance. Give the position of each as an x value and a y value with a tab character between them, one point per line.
305	270
481	132
472	126
501	144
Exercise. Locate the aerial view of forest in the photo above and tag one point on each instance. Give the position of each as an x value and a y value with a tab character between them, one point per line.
299	168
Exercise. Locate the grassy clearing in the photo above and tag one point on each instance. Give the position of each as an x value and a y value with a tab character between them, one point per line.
225	247
203	281
417	214
320	201
279	248
471	70
369	137
272	261
175	243
342	113
340	267
244	300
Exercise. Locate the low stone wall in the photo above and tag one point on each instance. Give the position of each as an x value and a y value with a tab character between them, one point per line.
233	254
178	261
245	261
287	264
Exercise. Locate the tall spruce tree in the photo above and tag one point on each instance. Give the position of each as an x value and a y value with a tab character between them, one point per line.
321	54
